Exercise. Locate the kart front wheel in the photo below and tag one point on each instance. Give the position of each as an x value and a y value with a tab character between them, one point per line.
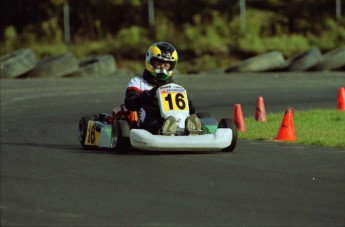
120	136
229	123
82	127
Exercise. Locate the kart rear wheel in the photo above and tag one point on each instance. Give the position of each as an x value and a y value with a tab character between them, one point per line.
82	128
229	123
120	136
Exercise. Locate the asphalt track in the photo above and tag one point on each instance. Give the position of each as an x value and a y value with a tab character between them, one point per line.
48	180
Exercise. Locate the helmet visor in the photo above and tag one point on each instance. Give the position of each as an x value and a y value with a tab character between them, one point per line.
155	60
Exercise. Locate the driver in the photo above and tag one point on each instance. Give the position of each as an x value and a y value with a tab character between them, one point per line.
161	60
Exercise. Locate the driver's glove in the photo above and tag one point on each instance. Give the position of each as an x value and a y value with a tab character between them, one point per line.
148	98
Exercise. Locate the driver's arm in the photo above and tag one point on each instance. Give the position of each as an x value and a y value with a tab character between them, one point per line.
133	101
191	106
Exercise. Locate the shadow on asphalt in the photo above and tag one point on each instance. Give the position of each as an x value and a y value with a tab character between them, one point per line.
76	148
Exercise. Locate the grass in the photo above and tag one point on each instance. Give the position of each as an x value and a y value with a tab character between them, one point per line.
314	127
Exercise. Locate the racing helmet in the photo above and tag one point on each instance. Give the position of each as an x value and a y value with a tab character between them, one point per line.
161	52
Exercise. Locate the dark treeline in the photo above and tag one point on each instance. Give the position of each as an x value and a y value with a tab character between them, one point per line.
109	16
210	31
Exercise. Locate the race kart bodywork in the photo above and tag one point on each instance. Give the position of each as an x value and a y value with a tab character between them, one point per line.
142	139
122	129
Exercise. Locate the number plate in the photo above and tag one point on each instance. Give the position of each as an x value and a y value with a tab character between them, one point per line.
173	101
93	133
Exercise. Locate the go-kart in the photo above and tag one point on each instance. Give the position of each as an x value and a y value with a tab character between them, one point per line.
123	129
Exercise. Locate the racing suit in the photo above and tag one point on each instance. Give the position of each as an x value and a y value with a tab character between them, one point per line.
141	97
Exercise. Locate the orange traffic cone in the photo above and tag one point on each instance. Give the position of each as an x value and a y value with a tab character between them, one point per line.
238	116
341	99
260	114
287	128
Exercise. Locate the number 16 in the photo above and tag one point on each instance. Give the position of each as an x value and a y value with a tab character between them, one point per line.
179	101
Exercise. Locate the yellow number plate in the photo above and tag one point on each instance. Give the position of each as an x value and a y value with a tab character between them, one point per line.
174	101
92	135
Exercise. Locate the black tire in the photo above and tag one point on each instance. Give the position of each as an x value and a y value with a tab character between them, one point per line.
95	66
82	127
120	136
229	123
305	60
56	66
270	61
332	60
17	63
203	115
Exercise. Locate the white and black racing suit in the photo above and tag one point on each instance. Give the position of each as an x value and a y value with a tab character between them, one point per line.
141	97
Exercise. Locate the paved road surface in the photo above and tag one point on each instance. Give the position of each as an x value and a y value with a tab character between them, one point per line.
48	180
